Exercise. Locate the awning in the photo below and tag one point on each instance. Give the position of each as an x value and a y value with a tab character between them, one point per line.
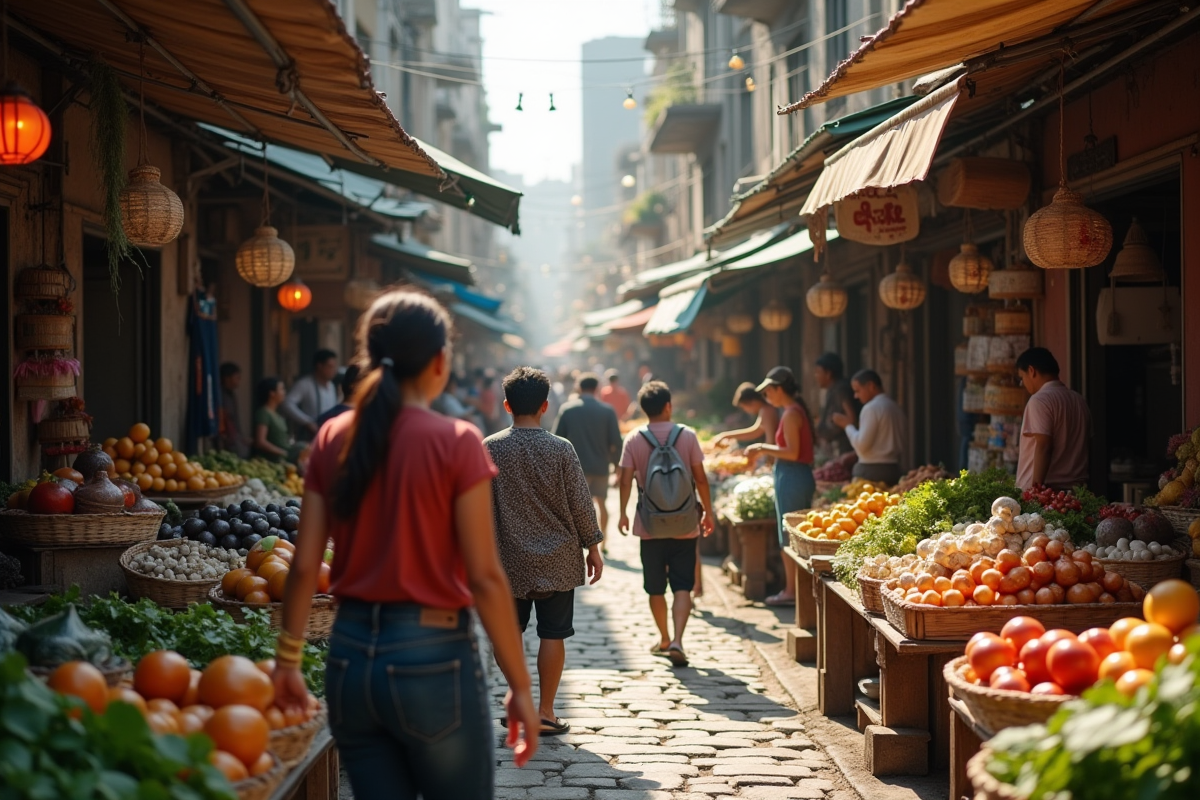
602	316
411	254
560	349
685	128
795	245
632	323
280	70
678	305
499	325
483	302
893	153
928	35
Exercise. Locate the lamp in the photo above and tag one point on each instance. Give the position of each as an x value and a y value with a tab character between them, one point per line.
731	346
750	85
1137	262
629	102
736	62
827	298
739	324
24	127
902	290
969	270
775	317
264	259
294	295
151	214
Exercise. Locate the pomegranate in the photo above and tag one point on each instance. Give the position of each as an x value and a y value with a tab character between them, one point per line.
50	497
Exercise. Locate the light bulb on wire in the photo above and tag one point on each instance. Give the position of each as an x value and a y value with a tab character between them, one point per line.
628	181
750	85
629	103
736	62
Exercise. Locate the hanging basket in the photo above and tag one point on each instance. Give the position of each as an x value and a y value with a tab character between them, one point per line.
264	259
1067	234
984	183
45	387
62	430
902	290
45	331
1018	282
43	283
151	214
970	269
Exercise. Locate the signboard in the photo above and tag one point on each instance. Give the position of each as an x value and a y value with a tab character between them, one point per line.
322	251
879	216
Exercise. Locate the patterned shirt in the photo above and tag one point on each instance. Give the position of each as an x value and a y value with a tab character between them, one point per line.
543	509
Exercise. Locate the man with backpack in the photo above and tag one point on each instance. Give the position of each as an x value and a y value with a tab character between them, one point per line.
668	464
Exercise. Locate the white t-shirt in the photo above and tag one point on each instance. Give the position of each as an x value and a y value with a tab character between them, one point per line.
879	437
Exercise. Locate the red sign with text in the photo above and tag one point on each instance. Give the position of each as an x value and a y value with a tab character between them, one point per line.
879	216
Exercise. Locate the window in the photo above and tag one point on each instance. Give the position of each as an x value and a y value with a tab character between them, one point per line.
797	82
837	46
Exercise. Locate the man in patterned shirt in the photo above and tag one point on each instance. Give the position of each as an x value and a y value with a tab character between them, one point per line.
545	521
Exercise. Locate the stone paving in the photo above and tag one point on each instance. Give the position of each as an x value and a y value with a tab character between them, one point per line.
643	730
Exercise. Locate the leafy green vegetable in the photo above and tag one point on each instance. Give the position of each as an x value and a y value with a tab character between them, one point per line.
269	472
61	638
174	515
929	508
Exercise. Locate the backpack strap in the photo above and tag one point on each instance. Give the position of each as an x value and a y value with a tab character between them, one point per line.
675	431
650	437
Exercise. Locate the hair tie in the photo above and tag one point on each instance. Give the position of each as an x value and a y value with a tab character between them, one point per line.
387	362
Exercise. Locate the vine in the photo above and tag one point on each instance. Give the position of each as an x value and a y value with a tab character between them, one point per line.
109	121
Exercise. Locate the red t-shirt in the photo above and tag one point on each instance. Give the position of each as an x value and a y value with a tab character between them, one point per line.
806	440
402	546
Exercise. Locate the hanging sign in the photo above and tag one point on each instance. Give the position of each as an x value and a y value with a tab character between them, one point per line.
879	216
322	251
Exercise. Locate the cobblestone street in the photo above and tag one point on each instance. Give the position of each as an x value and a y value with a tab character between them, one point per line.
641	729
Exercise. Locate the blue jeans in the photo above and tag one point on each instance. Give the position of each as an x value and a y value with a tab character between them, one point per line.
794	487
408	705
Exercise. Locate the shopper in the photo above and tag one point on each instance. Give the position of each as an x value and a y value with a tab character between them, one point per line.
544	523
667	530
487	403
1055	429
592	429
879	437
230	435
406	495
839	399
271	438
614	395
312	395
766	418
793	454
346	383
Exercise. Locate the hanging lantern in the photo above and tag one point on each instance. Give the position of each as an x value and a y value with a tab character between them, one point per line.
294	295
739	324
827	298
1067	234
24	127
902	290
264	259
731	346
1018	282
969	270
1137	262
775	317
360	293
151	214
629	102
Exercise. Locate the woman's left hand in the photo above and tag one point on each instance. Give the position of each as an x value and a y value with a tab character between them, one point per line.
291	692
752	450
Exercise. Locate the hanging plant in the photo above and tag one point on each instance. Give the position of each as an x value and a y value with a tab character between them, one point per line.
109	119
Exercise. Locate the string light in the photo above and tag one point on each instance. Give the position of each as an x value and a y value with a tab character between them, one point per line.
552	108
629	103
750	85
520	99
736	62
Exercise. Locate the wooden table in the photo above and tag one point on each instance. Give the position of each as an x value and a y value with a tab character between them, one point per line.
317	777
750	545
966	737
802	637
845	645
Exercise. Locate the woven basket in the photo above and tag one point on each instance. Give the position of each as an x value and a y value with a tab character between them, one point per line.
78	530
115	670
166	593
986	786
292	744
63	429
1018	282
1193	565
869	593
1014	321
45	332
202	494
320	618
984	183
1179	517
818	547
42	283
45	387
1067	234
151	214
997	709
262	786
1146	573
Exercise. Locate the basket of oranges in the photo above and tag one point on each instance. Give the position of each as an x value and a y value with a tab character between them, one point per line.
821	532
160	470
260	584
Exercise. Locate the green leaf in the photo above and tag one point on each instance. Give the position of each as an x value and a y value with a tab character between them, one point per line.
23	719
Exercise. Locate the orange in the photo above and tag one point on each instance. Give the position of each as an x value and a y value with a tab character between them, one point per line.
267	665
140	432
849	525
256	597
203	712
150	456
162	674
1121	628
171	485
163	445
324	578
275	718
1147	642
239	730
1116	664
123	694
124	447
161	706
1173	604
121	466
81	679
180	458
235	680
145	481
276	584
195	483
164	459
1134	679
251	583
162	723
230	581
158	485
154	471
270	566
230	766
265	763
189	723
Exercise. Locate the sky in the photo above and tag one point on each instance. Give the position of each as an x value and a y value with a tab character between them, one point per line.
536	143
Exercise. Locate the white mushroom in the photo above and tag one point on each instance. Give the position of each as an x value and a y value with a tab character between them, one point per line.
1005	507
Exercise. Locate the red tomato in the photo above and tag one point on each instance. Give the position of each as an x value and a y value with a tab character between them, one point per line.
1100	640
1033	660
50	497
1073	665
1052	636
1047	687
1009	678
1020	630
988	655
977	638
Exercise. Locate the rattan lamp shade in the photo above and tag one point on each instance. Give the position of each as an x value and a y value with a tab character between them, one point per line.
1067	234
151	214
775	317
739	324
827	298
969	270
902	290
1137	262
264	259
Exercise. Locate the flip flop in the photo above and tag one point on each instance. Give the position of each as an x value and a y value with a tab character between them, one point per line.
779	601
658	650
678	659
554	727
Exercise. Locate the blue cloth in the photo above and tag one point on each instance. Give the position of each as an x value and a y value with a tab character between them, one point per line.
204	384
408	705
794	488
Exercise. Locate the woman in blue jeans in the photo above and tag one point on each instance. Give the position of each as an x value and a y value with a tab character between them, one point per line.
793	452
405	495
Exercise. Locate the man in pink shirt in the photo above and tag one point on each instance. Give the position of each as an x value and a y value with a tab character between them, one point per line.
615	395
671	559
1055	429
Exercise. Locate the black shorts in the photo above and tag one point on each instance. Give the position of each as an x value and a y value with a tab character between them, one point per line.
555	615
671	560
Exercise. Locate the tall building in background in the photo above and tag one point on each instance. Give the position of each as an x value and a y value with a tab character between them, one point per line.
611	66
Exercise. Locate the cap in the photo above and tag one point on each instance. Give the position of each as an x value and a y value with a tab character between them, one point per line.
775	377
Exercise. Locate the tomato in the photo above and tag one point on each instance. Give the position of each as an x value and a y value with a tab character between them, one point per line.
1147	642
230	766
1173	604
977	638
163	674
1047	687
1008	560
81	679
235	680
1033	660
989	655
50	497
1020	630
1100	640
239	730
1134	679
121	694
324	573
1009	678
1072	664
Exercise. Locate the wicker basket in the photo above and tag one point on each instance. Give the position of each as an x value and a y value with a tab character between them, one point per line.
817	547
78	530
320	618
45	331
1193	565
115	670
869	592
45	387
984	183
986	786
292	744
997	709
63	429
202	494
43	283
262	786
1146	573
166	593
1179	517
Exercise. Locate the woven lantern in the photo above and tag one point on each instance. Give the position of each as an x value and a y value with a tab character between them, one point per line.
739	324
902	290
731	346
24	127
969	270
264	259
1137	262
360	293
1018	282
775	317
827	298
294	295
151	214
1067	234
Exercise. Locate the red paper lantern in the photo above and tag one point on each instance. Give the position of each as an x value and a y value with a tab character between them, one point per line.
24	128
294	296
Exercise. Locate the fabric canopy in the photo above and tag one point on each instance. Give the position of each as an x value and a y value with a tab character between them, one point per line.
484	302
602	316
280	70
652	280
414	255
634	322
794	245
928	35
484	320
678	305
896	152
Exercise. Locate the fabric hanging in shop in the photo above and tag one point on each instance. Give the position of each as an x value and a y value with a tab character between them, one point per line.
204	387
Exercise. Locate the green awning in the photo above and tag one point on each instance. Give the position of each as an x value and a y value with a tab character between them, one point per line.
413	255
678	305
499	325
794	245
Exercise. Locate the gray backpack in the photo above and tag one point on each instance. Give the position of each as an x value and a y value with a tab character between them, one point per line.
667	503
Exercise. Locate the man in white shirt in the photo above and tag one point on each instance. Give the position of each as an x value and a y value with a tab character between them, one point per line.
312	396
879	436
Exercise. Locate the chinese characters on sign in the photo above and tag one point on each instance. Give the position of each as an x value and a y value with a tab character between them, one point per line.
879	216
322	251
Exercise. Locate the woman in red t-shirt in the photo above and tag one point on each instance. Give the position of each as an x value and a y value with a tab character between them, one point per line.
406	496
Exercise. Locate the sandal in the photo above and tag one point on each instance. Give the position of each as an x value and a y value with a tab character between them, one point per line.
676	654
780	600
555	727
658	650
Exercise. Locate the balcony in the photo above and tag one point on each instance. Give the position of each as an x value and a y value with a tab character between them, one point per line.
685	128
766	11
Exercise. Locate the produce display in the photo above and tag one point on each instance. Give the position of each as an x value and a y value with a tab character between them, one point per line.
283	476
836	470
754	498
263	578
60	638
186	562
723	465
236	527
842	520
1135	550
156	466
1177	486
67	492
1078	510
914	478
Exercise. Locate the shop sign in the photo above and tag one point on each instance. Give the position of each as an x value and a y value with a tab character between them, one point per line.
879	216
322	251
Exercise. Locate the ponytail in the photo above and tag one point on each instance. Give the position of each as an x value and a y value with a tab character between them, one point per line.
789	385
397	338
